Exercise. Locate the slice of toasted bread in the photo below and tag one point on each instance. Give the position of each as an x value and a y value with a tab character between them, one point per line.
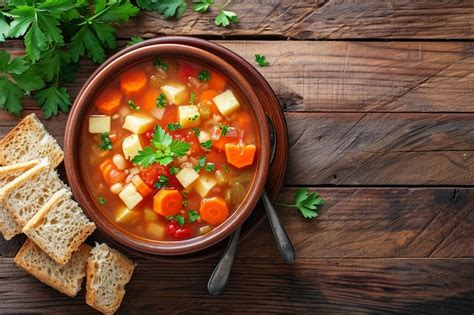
25	195
66	279
59	227
8	226
27	141
108	271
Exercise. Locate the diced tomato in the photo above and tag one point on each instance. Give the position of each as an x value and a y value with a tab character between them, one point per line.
151	175
179	232
186	71
149	135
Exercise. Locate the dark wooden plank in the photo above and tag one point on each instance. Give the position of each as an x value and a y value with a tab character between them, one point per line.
367	223
423	286
354	76
364	149
322	19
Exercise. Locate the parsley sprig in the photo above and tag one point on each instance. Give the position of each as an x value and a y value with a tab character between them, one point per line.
163	149
307	203
261	60
105	142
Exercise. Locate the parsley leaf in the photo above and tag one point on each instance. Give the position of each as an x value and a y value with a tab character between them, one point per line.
105	143
53	99
210	167
4	28
173	127
196	131
204	75
202	6
225	18
134	40
307	203
207	144
161	101
261	60
162	182
201	164
180	219
224	130
161	64
170	8
102	200
174	170
134	106
163	150
193	216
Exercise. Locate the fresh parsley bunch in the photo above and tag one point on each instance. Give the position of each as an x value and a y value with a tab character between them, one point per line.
56	34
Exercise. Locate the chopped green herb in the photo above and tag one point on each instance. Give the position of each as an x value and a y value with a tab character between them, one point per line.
102	201
105	142
207	144
134	40
202	6
224	129
193	96
163	149
162	182
161	64
180	219
201	164
194	118
133	106
261	60
226	168
173	127
193	216
210	167
196	131
161	101
307	203
174	170
204	75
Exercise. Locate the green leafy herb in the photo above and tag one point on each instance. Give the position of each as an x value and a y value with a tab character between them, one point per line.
169	8
307	203
204	75
173	127
224	129
174	170
162	182
178	218
134	106
226	168
210	167
102	200
202	6
161	64
193	216
161	101
201	164
225	18
105	143
196	131
53	99
261	60
207	144
163	150
193	96
134	40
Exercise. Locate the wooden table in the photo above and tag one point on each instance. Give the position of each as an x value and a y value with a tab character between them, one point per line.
379	100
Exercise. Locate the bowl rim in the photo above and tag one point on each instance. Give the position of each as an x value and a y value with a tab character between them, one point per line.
110	69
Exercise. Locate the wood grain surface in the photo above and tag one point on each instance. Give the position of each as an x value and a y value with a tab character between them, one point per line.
383	130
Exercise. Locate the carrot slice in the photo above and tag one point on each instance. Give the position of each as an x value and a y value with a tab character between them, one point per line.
207	95
217	82
239	156
104	165
167	202
214	210
133	81
140	185
108	101
220	144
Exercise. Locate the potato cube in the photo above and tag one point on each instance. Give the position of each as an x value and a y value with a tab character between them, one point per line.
130	196
138	123
126	215
99	124
131	145
226	103
188	116
155	230
203	185
203	136
175	93
187	176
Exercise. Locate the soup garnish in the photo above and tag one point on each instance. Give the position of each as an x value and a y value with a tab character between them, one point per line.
171	147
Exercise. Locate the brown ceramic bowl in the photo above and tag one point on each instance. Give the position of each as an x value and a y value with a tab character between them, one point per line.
110	69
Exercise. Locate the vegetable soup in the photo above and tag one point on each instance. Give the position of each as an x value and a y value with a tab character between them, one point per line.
170	149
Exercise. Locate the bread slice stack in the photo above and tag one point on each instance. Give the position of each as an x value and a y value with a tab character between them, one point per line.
33	200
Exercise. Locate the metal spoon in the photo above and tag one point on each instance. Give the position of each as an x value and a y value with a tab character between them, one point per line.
219	277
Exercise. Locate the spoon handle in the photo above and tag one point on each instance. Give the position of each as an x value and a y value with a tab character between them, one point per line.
219	277
283	241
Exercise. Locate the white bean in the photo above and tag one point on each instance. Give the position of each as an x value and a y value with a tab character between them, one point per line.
119	161
116	188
